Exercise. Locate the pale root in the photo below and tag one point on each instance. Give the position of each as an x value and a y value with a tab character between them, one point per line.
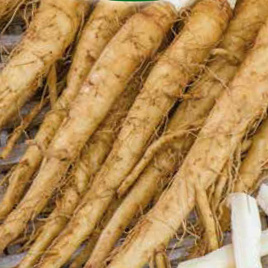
250	15
244	101
207	218
219	188
97	32
80	260
40	47
153	178
147	20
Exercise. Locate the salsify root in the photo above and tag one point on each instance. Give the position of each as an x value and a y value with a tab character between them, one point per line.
207	218
154	178
180	62
240	36
219	189
40	47
80	260
104	22
232	115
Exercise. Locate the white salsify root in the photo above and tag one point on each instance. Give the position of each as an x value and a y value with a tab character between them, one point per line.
246	230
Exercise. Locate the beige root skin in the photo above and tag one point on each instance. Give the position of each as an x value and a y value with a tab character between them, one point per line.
138	197
219	189
55	223
162	85
41	46
88	110
92	157
234	112
106	19
52	86
87	52
98	147
153	178
80	260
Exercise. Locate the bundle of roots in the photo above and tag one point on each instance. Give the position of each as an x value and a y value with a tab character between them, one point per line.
125	127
